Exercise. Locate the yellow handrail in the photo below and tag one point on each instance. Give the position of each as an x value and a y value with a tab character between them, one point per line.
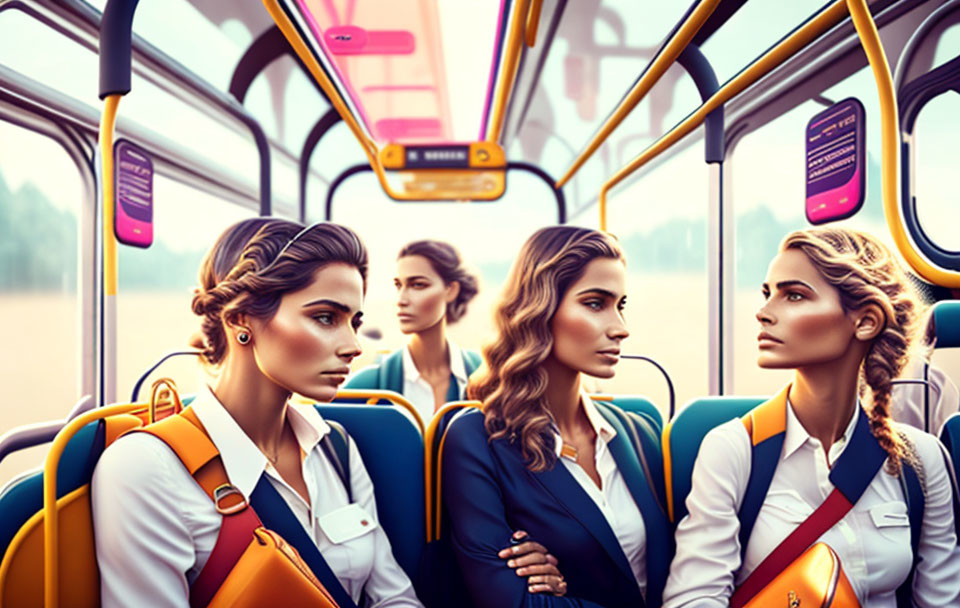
827	18
533	21
51	557
890	137
433	525
293	37
374	396
107	123
508	68
657	68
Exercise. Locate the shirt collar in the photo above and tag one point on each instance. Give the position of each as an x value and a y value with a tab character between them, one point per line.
601	427
796	435
457	367
242	459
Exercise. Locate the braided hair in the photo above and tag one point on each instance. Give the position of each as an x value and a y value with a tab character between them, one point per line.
242	274
864	271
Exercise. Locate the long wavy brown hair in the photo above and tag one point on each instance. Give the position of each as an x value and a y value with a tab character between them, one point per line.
864	271
513	383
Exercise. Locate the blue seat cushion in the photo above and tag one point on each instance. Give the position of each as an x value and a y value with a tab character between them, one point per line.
687	431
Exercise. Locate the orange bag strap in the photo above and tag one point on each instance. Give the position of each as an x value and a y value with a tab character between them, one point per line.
185	435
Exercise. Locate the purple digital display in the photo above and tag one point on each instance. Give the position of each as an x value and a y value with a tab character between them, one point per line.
134	195
434	157
836	162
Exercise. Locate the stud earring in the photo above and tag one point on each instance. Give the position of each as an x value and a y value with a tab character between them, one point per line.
243	337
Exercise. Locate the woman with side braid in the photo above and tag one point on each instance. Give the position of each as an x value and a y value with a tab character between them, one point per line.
840	312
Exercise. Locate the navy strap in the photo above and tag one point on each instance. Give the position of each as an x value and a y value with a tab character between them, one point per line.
913	495
337	450
763	464
277	516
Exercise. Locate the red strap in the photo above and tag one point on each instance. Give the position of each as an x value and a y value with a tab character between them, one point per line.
190	442
825	517
235	535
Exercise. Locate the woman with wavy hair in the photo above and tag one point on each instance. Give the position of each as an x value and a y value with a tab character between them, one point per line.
541	455
433	290
838	311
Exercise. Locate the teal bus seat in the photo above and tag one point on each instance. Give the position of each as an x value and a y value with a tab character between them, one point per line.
681	442
641	405
23	496
392	450
946	319
950	438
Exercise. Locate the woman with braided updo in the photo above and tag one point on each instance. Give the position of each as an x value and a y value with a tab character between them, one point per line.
840	312
280	306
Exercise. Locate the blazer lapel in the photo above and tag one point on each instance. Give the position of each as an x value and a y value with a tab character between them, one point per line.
567	491
658	537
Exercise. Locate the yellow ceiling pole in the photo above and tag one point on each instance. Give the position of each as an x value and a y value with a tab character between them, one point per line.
533	21
108	121
508	68
890	137
776	56
657	68
309	60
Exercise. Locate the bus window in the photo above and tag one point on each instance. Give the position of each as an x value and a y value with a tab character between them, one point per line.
661	221
597	54
488	236
947	46
766	184
156	284
751	30
41	194
287	125
72	69
180	29
935	187
64	65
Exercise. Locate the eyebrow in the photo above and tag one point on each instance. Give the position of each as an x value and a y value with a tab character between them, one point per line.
598	291
790	283
331	303
412	278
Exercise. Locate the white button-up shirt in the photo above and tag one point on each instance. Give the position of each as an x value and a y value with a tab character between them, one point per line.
872	539
155	527
613	498
419	392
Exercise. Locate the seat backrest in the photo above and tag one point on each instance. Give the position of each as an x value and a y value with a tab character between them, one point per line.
946	319
681	442
637	404
950	438
22	516
433	441
392	450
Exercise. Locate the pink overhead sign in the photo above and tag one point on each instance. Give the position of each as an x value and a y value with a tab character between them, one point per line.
836	162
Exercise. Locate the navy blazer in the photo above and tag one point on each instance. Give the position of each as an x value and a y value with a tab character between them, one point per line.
489	492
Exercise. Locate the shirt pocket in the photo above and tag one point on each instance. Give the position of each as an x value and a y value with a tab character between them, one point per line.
891	521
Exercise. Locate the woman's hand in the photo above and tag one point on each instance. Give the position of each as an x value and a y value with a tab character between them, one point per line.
530	559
